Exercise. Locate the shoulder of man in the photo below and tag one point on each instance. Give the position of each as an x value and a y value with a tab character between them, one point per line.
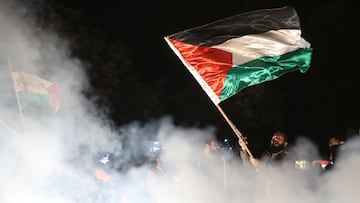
285	156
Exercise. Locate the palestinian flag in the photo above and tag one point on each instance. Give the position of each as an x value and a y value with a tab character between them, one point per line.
231	54
34	90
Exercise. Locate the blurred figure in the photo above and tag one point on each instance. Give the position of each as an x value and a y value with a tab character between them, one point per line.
212	149
165	178
154	178
213	164
107	173
212	155
101	170
102	173
335	144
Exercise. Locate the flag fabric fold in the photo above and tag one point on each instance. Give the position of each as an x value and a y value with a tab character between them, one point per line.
34	90
231	54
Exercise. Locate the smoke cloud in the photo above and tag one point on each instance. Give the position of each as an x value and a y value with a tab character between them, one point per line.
52	157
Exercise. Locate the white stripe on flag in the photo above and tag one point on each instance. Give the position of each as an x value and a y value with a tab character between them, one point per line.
271	43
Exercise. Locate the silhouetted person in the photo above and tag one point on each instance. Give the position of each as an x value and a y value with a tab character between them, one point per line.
213	162
335	144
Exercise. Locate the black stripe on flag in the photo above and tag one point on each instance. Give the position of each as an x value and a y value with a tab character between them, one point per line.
252	22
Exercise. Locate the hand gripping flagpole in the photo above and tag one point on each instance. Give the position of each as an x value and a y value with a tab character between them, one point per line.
236	131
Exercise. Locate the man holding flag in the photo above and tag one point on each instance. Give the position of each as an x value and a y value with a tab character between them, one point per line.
276	153
240	51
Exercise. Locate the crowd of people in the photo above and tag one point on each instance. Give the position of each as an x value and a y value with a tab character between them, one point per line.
216	159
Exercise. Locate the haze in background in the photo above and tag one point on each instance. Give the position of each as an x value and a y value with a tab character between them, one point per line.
50	157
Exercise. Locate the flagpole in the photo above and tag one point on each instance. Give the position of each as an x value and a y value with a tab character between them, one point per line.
17	98
233	127
3	123
208	91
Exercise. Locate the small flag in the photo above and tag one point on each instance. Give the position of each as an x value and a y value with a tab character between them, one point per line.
231	54
34	90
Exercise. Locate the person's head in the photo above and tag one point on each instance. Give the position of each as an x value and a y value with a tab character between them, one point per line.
212	146
278	142
334	144
335	140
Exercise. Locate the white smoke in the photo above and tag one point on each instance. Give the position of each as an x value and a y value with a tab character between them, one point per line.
54	160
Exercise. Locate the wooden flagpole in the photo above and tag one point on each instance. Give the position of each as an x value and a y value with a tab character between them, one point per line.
3	123
233	127
209	92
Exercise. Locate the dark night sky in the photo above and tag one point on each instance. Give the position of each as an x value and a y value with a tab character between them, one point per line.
121	87
318	104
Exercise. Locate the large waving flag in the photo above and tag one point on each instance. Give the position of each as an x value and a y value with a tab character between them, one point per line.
34	90
231	54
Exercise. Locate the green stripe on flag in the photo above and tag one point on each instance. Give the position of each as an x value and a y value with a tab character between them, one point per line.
30	98
264	69
230	54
